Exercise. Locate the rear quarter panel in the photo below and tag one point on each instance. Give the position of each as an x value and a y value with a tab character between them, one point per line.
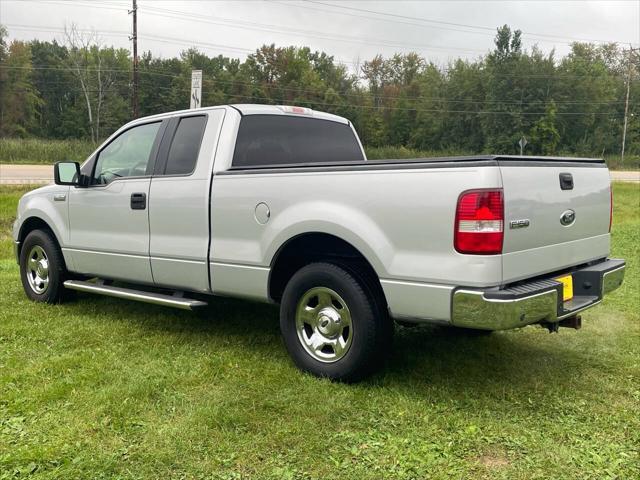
400	220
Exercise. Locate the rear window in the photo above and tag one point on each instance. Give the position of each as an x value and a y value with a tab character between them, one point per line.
286	140
185	146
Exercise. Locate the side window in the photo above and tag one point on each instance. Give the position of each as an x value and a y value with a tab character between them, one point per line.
285	139
183	153
127	155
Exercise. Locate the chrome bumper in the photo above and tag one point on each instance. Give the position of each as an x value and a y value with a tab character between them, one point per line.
535	302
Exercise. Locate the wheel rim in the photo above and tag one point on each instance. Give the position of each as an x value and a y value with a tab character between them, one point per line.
323	324
37	270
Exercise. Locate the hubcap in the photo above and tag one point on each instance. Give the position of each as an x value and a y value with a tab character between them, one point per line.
37	270
323	324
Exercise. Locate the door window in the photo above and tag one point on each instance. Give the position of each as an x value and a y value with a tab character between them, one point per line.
127	155
185	146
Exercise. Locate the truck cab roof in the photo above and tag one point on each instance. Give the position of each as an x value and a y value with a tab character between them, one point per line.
257	109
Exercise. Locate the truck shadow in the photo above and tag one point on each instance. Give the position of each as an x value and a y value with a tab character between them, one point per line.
423	358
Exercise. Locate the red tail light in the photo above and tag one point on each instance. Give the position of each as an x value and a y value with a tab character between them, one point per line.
610	207
479	227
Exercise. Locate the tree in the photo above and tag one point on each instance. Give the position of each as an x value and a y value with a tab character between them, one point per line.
96	70
19	99
544	136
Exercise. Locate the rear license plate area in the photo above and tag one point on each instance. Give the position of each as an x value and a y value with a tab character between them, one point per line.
567	287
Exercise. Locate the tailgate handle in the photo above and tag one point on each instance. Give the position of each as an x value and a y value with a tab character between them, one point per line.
566	181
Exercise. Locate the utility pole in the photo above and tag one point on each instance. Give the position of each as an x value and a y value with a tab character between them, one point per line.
134	38
626	105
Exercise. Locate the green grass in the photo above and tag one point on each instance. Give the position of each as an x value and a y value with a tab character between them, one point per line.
35	150
104	388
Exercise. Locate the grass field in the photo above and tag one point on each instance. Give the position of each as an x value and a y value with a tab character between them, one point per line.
104	388
34	151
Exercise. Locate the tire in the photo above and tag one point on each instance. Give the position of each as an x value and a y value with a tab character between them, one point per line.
333	323
42	268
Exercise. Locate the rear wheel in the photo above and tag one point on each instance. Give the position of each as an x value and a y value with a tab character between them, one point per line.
42	267
332	323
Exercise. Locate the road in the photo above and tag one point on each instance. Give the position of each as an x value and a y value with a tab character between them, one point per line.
43	174
26	174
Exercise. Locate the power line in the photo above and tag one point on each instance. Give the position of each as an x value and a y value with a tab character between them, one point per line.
304	32
379	16
250	95
441	22
340	92
215	46
283	29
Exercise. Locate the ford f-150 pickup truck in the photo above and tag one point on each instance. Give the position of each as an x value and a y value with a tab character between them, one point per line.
279	204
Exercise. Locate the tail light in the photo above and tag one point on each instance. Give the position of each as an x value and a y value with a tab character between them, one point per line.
479	227
610	207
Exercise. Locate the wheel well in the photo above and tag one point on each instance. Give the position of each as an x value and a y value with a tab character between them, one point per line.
313	247
31	224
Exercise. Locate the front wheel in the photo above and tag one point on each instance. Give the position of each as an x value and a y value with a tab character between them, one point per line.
333	324
42	267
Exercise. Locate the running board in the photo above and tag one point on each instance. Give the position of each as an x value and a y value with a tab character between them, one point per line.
139	295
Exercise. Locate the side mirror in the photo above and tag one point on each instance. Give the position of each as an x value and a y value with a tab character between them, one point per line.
67	173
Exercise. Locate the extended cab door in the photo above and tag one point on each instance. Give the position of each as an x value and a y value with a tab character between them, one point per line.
179	201
109	219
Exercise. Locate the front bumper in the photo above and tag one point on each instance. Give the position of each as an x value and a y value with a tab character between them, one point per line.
537	301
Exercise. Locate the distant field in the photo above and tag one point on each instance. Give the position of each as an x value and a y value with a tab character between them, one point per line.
32	151
106	388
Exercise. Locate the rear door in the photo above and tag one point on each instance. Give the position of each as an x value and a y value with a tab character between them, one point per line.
556	215
179	201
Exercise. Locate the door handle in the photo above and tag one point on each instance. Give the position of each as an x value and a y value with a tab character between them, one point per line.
138	201
566	181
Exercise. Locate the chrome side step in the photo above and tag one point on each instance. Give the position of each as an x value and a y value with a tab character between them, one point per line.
131	294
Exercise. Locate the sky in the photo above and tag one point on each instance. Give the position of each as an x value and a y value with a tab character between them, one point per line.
351	31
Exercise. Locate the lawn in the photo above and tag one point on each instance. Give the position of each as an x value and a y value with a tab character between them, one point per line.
105	388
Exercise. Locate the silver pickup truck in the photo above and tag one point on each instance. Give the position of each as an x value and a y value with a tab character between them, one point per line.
279	204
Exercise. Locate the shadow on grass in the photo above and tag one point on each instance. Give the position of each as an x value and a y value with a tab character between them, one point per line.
422	356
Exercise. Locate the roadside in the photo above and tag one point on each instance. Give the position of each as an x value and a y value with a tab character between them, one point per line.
43	175
26	174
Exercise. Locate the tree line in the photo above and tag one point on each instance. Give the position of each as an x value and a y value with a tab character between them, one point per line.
80	88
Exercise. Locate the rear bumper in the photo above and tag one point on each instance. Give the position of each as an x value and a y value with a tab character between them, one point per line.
537	301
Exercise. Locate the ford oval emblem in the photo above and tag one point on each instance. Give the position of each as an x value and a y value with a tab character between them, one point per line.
568	217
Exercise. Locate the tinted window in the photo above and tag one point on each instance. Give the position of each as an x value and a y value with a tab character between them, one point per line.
185	146
127	155
280	140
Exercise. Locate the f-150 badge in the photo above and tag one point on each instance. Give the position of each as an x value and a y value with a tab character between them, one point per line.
523	223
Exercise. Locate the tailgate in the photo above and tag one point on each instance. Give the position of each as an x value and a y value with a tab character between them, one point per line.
556	215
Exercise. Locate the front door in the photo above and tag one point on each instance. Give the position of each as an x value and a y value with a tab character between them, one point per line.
109	219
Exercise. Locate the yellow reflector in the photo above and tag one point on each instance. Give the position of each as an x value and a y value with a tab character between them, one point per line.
567	287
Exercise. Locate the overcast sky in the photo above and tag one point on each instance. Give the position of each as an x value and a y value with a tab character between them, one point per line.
349	30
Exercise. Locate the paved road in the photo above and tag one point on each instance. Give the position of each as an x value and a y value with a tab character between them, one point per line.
43	174
26	174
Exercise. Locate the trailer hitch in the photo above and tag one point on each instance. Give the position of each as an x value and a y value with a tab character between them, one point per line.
574	321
